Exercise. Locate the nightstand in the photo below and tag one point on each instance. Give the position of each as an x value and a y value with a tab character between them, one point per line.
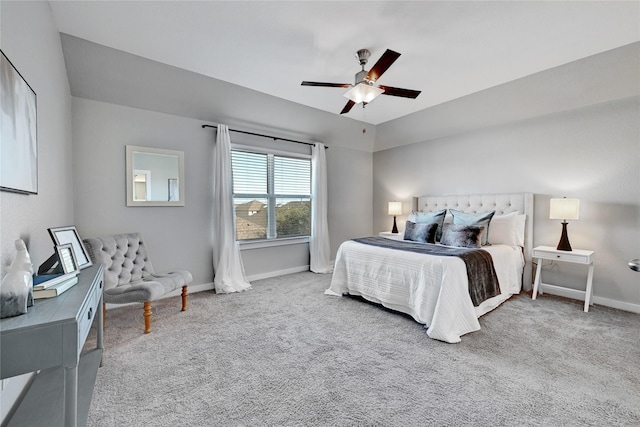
577	256
390	235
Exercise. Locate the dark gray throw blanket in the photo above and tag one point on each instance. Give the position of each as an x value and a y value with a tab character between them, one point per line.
483	281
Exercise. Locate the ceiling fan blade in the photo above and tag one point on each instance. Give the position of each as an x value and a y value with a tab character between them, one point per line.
396	91
383	64
348	107
345	85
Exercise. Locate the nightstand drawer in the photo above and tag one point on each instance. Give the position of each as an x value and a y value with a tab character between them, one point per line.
568	257
577	256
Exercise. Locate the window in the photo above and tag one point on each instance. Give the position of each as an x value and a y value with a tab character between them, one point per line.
271	194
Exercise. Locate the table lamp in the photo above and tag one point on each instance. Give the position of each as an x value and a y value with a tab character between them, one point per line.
564	209
395	208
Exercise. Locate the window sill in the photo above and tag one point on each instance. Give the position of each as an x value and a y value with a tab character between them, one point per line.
257	244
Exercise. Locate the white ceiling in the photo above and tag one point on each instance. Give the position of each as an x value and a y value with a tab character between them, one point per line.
449	49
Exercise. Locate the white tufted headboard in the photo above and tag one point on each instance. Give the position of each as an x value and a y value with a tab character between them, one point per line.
477	203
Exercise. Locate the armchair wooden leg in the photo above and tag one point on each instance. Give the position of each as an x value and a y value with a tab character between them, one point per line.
184	298
147	317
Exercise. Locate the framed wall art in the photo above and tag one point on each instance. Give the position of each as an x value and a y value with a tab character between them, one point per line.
19	143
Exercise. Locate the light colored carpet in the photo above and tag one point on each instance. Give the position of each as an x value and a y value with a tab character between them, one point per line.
284	354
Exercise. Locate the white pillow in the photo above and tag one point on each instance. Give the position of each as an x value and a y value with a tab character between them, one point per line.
520	222
503	230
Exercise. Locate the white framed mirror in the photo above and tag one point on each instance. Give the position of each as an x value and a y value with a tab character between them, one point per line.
155	176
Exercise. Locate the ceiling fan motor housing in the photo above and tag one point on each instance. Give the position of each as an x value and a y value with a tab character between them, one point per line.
360	77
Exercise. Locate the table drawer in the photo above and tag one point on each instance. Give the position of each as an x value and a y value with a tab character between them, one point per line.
88	312
568	257
98	294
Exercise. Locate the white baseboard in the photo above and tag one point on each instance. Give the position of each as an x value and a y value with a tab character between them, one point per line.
192	289
579	295
278	273
209	286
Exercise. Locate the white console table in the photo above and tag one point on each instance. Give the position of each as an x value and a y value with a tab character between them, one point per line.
49	338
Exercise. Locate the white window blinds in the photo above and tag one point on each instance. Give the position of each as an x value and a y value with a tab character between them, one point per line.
272	195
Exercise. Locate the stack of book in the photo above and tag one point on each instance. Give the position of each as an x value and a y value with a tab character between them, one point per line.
52	285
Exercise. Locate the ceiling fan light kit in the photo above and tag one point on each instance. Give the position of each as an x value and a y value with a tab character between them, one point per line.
364	90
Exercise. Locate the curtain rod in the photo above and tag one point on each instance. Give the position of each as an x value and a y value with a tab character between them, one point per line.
275	138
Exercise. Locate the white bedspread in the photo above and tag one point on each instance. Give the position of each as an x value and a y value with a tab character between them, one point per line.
431	289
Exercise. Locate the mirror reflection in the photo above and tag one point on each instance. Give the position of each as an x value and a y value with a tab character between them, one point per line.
155	177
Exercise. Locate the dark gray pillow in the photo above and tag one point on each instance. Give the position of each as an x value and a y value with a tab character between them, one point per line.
429	217
479	219
423	233
462	236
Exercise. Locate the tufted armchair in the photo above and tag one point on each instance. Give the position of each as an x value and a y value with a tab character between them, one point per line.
129	275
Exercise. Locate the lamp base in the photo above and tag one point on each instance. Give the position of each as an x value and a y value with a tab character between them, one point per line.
564	244
395	227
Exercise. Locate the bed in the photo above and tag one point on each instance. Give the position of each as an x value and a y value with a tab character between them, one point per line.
435	289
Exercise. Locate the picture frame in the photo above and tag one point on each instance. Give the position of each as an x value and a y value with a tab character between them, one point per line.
69	235
67	258
19	139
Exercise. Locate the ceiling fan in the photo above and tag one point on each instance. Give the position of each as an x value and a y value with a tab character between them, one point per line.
364	90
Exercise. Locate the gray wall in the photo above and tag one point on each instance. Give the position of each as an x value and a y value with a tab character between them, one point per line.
30	40
590	151
176	237
596	79
180	237
350	174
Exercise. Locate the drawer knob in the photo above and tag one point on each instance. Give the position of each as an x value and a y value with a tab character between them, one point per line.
90	313
557	256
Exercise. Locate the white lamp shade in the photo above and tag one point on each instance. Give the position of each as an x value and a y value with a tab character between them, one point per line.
395	208
363	92
564	209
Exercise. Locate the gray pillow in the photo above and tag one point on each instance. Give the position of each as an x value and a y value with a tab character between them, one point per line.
462	236
423	233
430	217
478	219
